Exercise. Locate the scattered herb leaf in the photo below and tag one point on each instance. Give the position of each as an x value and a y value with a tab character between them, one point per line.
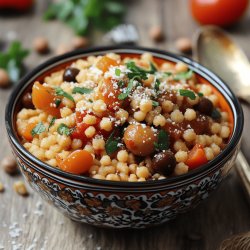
200	94
81	90
12	60
83	15
184	75
216	114
52	122
38	129
117	72
155	104
58	102
63	129
61	92
111	144
167	73
157	85
125	94
163	140
121	84
188	93
139	73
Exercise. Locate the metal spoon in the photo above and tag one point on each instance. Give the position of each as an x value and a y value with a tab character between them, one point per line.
215	50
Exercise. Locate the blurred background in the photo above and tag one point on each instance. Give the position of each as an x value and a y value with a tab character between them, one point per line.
32	31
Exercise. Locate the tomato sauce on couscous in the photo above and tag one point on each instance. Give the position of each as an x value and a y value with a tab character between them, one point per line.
124	118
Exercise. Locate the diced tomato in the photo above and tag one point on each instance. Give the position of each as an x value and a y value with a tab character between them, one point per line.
26	131
110	94
105	62
44	98
78	162
196	157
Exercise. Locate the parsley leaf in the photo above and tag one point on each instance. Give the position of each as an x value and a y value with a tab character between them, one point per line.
83	15
58	102
63	129
52	122
12	60
124	95
81	90
117	72
38	129
200	94
188	93
216	114
121	84
184	75
163	140
139	73
155	104
157	85
111	145
61	92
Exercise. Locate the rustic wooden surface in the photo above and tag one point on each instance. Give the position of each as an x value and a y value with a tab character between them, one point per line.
225	213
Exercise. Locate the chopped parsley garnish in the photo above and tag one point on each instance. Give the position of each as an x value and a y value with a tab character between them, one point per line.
163	140
58	102
216	114
157	85
63	129
52	122
184	75
111	145
155	104
124	95
38	129
188	93
117	72
121	84
200	94
61	92
167	73
139	73
81	90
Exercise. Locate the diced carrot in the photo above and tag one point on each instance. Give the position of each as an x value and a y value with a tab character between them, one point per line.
26	131
44	98
196	157
78	162
105	62
110	94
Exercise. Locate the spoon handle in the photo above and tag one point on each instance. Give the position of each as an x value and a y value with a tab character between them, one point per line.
243	170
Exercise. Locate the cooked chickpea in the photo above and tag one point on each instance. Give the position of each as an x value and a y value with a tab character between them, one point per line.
122	156
181	168
209	153
140	139
159	120
106	124
225	132
181	156
181	67
98	144
122	115
142	172
90	131
190	114
177	116
139	116
167	106
99	106
105	160
189	135
146	106
89	119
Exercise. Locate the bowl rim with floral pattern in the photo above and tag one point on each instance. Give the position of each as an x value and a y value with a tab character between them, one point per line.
214	80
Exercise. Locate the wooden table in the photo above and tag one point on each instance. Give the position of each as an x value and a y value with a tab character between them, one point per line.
225	213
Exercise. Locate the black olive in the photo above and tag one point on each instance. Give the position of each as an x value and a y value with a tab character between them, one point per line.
205	106
164	163
70	74
27	101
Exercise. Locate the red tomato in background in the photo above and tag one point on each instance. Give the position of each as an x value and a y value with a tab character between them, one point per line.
16	4
218	12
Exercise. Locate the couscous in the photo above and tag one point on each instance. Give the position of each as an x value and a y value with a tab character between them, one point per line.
124	118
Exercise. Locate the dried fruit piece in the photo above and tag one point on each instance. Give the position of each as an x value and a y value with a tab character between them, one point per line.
183	44
41	45
156	34
80	42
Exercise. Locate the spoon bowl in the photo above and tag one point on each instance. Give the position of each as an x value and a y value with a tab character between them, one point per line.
216	51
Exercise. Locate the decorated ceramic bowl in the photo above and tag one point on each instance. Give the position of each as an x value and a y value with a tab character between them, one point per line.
118	204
